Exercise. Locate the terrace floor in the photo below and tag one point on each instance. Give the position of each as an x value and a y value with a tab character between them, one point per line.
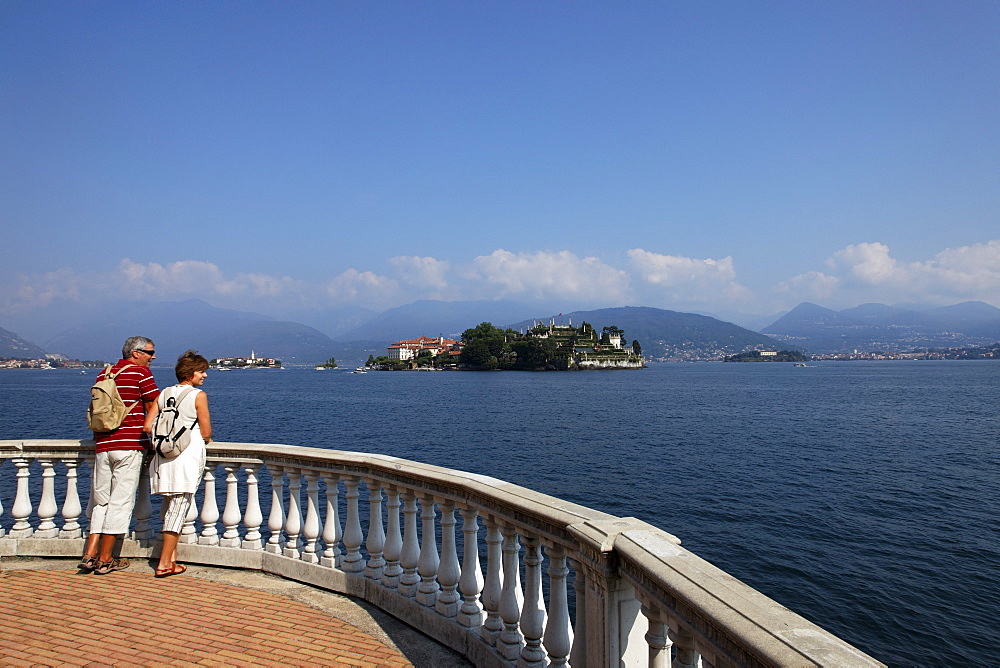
53	615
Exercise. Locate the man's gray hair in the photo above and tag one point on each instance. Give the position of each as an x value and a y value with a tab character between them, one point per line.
135	343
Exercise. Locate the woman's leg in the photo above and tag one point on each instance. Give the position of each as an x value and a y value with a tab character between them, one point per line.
168	551
173	521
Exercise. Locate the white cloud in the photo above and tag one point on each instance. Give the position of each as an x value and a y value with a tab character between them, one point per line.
545	275
422	273
855	274
867	272
683	280
362	287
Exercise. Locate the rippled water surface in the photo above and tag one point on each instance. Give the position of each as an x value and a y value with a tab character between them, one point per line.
863	495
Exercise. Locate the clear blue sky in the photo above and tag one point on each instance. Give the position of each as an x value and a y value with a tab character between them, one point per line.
716	156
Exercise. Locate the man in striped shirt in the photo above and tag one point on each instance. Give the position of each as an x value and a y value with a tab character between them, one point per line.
118	458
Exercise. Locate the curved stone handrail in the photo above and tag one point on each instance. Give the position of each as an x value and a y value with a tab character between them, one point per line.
640	598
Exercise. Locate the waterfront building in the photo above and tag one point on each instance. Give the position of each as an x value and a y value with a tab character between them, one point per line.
409	349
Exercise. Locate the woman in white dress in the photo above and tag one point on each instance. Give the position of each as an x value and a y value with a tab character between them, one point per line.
178	479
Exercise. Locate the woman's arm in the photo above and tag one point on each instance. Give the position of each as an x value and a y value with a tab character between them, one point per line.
204	420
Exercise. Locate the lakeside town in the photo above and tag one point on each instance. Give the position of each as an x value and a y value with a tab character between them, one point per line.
441	352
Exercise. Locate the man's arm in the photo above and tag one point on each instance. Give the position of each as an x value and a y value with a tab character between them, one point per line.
152	408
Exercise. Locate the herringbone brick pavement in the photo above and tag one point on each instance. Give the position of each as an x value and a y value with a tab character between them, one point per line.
62	618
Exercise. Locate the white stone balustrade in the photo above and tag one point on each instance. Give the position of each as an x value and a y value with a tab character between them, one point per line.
640	598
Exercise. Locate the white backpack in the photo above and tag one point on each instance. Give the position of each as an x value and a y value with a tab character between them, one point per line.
170	435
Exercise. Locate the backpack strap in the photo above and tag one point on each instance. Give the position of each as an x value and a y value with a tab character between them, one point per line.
180	397
112	376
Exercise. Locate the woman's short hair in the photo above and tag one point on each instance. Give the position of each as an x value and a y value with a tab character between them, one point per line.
188	363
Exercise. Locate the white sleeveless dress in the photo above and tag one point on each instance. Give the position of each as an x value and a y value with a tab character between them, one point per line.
182	474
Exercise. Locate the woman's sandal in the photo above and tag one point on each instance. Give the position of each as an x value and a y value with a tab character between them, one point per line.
176	569
105	567
88	563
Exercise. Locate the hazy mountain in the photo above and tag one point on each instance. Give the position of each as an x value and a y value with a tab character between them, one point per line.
667	334
12	345
178	326
889	328
434	318
291	342
333	322
967	316
877	314
749	321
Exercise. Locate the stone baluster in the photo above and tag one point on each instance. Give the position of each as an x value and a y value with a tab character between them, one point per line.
686	656
252	517
471	580
293	523
429	561
558	637
578	655
393	540
311	530
376	536
332	532
143	509
409	558
2	531
493	625
533	609
71	509
276	516
354	561
510	641
449	570
231	514
89	512
657	637
209	509
47	506
21	510
188	533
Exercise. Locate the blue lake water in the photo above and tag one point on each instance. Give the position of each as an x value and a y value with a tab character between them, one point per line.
862	495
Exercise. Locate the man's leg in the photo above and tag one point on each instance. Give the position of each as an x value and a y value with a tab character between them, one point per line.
100	494
125	467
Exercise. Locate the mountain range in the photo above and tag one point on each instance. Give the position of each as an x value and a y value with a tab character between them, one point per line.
870	327
663	334
12	345
193	324
668	334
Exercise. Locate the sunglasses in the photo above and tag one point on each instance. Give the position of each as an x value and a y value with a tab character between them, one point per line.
148	352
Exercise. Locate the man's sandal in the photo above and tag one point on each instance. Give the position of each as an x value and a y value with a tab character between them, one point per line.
105	567
88	563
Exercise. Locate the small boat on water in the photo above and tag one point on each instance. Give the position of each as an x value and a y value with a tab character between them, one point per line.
360	369
800	364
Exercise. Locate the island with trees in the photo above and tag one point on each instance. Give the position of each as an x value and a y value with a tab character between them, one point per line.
329	364
548	347
768	356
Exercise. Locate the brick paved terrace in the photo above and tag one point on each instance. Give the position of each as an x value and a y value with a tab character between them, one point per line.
51	614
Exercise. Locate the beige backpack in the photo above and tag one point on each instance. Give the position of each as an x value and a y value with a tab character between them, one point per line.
107	410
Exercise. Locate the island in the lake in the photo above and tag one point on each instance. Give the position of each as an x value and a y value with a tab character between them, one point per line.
252	362
768	356
543	347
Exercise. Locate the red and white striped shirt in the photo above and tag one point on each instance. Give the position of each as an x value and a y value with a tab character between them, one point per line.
135	383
